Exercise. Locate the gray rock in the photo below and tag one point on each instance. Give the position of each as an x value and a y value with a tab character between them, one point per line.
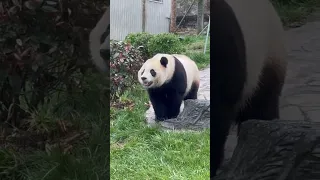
269	150
203	94
195	116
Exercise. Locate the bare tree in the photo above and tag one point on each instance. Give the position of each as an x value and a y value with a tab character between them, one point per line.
200	15
173	15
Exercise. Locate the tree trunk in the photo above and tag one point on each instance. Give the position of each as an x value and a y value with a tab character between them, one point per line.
143	15
173	15
200	15
208	6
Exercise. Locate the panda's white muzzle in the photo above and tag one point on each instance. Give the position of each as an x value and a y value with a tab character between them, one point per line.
145	82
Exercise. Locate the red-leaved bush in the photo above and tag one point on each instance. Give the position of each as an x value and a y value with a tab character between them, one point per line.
125	62
43	51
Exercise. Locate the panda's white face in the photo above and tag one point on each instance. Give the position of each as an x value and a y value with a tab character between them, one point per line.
156	71
149	75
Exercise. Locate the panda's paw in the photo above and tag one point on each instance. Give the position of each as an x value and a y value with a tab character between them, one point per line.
182	107
160	119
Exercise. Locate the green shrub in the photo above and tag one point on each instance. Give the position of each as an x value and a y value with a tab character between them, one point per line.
290	1
152	44
189	39
125	62
165	43
140	40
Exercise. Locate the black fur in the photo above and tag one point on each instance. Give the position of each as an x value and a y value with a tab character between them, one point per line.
228	65
228	69
164	61
166	100
264	104
104	35
193	93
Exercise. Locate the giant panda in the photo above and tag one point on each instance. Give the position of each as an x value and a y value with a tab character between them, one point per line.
99	41
248	67
169	80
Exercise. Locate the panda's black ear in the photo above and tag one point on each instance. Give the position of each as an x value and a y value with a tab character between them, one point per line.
164	61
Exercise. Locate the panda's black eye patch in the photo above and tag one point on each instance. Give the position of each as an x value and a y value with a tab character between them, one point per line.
153	73
142	72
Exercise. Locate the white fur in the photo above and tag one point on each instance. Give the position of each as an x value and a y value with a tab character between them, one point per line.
181	106
263	35
165	74
94	41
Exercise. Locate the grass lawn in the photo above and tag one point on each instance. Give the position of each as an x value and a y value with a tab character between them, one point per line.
85	159
295	12
194	49
141	152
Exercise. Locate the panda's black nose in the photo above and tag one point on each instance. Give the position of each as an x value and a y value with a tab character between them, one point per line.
143	78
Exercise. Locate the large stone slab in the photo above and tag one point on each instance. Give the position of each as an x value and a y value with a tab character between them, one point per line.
275	150
195	116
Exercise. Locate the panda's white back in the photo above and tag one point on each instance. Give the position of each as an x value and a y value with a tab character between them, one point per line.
262	31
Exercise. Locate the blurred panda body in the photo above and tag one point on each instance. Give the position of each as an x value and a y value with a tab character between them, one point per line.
248	67
99	41
169	80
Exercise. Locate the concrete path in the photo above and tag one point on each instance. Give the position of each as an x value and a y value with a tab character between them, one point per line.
301	93
204	89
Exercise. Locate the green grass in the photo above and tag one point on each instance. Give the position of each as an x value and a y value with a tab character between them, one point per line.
88	158
194	49
295	12
141	152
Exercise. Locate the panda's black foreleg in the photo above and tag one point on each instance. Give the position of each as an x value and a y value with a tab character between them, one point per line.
227	77
226	91
160	111
221	120
159	106
173	104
